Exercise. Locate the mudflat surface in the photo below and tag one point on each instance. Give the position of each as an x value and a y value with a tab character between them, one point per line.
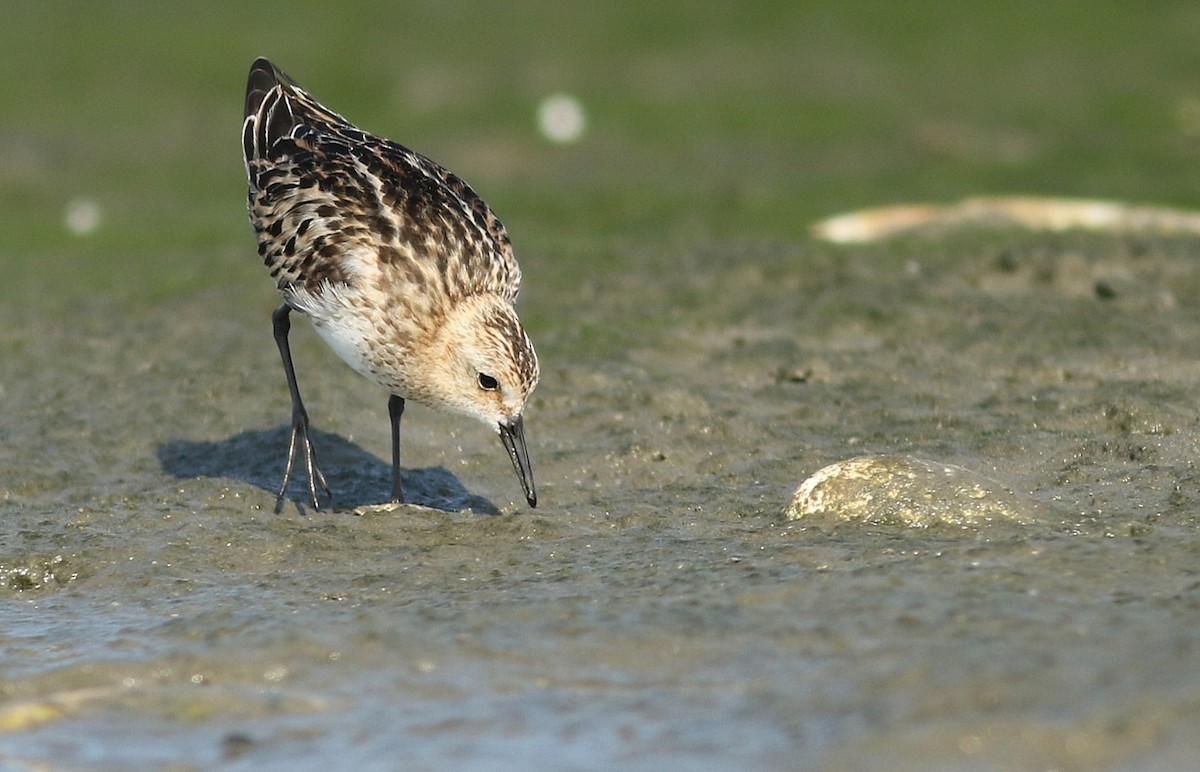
656	608
701	357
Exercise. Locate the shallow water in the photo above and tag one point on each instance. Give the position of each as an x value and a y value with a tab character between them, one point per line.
656	610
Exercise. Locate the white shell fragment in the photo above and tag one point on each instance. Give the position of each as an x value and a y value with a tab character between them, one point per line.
561	119
1033	212
906	491
82	216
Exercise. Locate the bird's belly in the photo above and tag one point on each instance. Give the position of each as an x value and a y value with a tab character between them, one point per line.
350	340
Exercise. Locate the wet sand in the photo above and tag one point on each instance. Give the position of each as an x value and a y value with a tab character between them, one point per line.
657	609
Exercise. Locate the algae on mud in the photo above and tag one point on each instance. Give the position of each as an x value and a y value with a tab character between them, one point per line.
904	491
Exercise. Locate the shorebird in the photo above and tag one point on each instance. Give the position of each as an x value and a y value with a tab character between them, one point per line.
401	268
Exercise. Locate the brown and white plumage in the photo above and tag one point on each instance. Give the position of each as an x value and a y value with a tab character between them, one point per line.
399	265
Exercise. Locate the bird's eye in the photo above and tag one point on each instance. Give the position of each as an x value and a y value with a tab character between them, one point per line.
487	382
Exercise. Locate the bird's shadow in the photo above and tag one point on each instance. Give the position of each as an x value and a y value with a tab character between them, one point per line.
356	477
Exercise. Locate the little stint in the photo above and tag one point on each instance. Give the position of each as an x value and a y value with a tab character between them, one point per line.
401	268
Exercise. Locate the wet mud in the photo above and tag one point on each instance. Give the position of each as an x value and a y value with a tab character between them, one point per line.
658	608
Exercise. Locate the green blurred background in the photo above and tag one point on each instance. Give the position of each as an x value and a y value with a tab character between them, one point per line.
708	122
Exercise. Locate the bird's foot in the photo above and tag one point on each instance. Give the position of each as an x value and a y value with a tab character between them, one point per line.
302	442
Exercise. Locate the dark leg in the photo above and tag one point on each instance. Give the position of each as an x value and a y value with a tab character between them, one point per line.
395	410
283	325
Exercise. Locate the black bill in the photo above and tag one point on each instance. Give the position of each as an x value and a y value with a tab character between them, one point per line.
513	437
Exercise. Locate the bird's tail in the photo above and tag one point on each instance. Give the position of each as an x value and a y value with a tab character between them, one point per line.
264	76
276	107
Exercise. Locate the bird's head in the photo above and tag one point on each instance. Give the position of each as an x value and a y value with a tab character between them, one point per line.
485	366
